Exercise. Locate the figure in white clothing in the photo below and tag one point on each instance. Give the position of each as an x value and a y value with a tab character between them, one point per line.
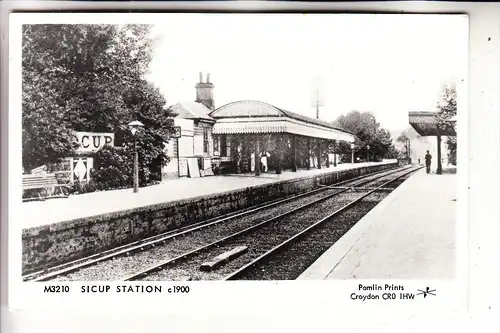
263	160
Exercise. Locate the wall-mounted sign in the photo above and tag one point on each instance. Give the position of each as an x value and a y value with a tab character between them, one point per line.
81	168
177	132
92	142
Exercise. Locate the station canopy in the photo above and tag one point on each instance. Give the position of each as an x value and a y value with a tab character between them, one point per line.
426	124
251	117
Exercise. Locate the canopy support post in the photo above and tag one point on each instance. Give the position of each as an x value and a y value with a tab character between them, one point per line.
308	153
257	155
318	149
294	153
439	166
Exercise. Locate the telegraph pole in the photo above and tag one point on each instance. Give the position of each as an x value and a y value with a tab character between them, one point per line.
317	102
316	99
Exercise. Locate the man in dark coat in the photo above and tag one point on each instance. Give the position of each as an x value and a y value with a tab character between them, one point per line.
428	159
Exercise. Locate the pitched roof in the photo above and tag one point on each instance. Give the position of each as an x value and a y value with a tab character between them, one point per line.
242	109
191	110
427	124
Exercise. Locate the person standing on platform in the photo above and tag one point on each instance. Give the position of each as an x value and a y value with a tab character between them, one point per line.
263	160
428	159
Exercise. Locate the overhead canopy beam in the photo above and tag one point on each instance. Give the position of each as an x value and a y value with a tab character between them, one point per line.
427	124
245	117
278	125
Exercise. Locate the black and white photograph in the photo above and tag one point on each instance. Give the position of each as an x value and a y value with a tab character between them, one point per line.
203	147
249	166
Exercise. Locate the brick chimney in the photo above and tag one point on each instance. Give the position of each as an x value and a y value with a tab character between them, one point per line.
205	92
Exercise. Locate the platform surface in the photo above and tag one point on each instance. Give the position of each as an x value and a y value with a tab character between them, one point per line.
410	234
38	213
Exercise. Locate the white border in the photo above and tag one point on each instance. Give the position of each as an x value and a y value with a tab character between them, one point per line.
314	300
33	297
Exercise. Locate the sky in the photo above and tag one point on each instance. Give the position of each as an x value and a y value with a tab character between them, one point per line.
384	64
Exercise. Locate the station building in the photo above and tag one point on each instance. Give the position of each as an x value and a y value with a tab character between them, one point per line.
247	137
194	148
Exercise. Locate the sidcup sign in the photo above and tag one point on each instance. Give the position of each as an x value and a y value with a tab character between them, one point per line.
91	142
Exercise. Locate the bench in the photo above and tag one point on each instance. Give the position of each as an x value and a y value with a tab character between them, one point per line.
42	187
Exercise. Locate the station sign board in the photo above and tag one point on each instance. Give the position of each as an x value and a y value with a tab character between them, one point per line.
91	142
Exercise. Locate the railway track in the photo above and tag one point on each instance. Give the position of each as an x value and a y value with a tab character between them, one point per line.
178	241
255	240
280	262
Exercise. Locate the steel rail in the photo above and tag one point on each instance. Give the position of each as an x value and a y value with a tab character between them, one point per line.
241	271
153	241
187	255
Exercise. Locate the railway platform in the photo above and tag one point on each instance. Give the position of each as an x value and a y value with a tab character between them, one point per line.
410	234
40	213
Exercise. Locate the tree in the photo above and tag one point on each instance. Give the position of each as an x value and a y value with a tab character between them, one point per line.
447	107
403	139
89	78
394	153
418	144
368	134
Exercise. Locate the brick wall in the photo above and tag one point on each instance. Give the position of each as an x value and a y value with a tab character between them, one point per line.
61	242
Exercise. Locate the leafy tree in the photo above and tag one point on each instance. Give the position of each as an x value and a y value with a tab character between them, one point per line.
89	78
368	134
394	153
403	139
113	168
447	107
418	144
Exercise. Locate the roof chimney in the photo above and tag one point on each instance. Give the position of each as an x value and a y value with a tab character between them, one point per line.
204	92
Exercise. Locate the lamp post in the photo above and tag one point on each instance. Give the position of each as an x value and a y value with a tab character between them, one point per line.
134	128
367	153
352	153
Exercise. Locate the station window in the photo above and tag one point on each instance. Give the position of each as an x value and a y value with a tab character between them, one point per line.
205	140
216	145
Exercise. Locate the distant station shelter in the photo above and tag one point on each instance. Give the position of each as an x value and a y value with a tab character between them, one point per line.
245	132
426	124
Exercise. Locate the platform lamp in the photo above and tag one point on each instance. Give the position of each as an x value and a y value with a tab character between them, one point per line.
134	127
367	153
352	153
